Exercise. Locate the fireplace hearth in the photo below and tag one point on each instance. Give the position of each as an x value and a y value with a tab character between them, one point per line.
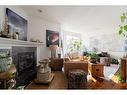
25	60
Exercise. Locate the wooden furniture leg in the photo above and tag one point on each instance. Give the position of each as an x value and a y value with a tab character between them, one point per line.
123	68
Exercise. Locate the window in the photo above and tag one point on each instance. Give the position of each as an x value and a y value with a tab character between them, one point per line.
74	44
70	41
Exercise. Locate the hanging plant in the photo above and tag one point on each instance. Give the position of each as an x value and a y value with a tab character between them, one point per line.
123	25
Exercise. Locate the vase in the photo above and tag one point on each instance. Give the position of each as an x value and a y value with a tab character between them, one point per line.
44	70
93	60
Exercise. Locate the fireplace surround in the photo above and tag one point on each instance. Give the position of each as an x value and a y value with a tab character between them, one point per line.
25	59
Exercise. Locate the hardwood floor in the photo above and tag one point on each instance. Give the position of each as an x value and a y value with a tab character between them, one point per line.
100	83
60	82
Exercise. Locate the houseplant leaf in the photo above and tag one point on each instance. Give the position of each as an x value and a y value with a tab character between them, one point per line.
123	17
125	28
120	32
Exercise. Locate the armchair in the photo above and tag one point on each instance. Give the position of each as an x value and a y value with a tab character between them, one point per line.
70	65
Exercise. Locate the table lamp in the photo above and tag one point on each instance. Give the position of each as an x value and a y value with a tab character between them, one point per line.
53	50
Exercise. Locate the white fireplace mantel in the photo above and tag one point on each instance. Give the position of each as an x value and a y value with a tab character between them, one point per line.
13	42
8	43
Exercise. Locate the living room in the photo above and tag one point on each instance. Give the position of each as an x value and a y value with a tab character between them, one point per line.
62	47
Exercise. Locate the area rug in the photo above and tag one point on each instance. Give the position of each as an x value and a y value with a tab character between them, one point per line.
109	71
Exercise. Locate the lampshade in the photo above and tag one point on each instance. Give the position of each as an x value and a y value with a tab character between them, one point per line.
53	47
53	50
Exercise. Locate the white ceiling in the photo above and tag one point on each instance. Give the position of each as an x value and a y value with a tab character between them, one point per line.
88	19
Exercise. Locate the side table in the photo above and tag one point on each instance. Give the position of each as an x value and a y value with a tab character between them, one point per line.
96	69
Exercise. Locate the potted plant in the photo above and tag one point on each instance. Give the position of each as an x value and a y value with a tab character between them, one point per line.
93	57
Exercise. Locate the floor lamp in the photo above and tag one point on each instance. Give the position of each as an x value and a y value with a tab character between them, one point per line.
53	49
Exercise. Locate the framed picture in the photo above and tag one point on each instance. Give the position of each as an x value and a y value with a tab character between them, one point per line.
17	25
52	38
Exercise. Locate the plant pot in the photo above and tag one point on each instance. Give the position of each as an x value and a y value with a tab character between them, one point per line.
93	60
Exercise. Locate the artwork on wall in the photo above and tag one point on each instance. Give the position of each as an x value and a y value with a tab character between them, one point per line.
52	38
17	25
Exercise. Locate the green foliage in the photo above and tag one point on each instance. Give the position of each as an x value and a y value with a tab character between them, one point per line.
75	45
123	26
114	61
123	17
93	55
4	55
119	77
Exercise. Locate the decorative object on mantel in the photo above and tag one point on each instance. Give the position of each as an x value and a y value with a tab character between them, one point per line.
5	29
44	72
35	40
16	35
53	49
52	38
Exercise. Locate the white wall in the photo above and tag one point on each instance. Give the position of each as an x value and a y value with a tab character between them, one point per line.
86	39
37	30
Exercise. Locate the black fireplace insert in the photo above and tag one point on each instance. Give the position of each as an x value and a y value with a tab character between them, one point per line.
25	61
